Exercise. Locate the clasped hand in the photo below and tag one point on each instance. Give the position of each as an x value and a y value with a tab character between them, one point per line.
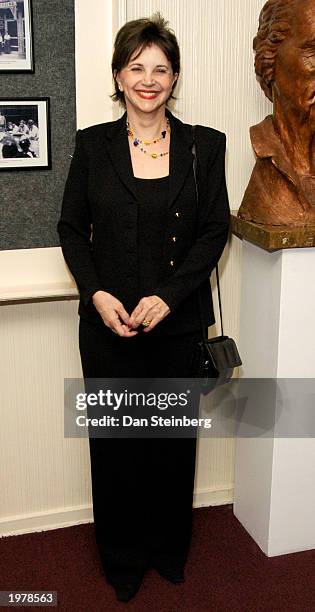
150	308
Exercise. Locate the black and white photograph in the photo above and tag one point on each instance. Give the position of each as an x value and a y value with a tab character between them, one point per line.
24	134
16	36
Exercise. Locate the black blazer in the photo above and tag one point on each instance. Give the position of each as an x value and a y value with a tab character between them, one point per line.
98	223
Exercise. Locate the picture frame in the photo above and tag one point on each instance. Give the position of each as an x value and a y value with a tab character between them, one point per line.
25	134
16	36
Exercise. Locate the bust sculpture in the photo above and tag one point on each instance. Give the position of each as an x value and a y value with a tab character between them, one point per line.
281	190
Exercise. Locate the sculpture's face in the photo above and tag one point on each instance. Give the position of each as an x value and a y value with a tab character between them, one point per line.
294	78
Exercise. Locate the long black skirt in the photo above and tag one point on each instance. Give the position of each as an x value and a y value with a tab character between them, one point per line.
142	487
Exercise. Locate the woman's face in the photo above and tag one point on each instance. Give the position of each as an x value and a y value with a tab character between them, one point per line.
147	80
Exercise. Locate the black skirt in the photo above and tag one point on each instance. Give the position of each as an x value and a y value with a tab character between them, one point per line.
142	487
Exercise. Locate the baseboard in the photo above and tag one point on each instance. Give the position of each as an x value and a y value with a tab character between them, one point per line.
47	520
76	515
213	496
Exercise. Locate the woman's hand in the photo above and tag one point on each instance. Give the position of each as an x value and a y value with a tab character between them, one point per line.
113	313
150	308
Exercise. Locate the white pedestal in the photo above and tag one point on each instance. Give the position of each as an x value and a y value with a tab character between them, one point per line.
275	476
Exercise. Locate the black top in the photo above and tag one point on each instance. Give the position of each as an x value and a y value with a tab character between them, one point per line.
101	195
152	211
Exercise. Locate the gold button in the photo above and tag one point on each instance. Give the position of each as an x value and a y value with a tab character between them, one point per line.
174	238
177	214
171	262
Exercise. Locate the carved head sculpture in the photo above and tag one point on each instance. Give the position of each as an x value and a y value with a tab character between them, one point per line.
282	186
285	52
275	23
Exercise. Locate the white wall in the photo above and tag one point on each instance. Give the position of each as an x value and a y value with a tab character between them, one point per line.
94	41
44	477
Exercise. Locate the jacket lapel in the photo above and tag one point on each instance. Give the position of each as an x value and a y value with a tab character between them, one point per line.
119	153
181	157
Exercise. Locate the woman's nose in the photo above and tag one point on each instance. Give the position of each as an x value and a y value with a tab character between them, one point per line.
148	80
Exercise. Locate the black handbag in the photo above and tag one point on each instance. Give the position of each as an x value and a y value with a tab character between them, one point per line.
215	358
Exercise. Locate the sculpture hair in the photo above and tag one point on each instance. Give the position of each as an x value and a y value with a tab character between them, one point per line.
275	21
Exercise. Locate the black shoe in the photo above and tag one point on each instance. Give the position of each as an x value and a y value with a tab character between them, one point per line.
125	592
173	575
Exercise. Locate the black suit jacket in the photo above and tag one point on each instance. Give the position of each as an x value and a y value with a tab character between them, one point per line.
98	223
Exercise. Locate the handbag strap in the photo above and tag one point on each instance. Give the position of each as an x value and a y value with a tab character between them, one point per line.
193	150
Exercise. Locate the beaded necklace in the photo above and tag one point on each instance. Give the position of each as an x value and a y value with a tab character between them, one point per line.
137	141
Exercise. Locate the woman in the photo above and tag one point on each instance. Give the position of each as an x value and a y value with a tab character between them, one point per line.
7	43
131	186
3	123
33	134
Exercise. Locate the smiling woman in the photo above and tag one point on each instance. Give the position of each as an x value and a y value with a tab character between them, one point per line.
139	274
148	78
144	85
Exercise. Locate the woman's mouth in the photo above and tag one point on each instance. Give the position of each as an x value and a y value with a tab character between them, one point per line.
147	95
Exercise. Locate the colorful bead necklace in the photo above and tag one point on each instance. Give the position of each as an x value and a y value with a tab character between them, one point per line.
137	141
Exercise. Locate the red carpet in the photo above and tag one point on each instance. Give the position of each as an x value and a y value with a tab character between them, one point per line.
226	572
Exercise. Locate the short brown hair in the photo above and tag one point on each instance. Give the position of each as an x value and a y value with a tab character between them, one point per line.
275	22
138	34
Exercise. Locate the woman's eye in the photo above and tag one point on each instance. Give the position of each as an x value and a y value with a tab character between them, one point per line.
161	70
135	69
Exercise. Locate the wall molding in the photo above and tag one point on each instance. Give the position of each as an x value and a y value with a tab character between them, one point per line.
78	515
46	520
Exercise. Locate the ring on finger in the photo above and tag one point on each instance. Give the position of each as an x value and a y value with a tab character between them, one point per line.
145	323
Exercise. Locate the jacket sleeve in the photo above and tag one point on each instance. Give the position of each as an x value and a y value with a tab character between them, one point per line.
212	234
74	225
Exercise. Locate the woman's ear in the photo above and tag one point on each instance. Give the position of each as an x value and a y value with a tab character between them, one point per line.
116	77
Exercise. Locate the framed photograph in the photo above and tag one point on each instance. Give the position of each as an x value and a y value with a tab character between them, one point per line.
24	134
16	36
